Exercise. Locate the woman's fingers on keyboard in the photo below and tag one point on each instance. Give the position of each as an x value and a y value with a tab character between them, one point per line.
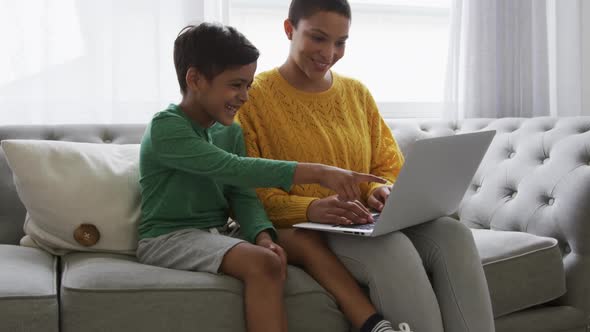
362	215
337	220
350	215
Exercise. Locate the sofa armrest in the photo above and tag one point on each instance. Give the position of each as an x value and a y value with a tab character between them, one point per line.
534	178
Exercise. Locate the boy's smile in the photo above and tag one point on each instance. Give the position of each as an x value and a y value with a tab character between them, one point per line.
219	99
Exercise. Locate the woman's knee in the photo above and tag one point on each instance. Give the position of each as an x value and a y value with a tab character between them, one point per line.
393	249
443	240
394	240
457	228
444	232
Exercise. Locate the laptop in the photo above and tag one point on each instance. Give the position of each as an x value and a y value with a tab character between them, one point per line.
431	184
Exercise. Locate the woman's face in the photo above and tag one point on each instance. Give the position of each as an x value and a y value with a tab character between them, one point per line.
318	42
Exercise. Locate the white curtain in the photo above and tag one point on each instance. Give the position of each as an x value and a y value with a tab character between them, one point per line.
79	61
518	58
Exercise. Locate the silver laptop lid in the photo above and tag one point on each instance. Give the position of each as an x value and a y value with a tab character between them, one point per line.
433	180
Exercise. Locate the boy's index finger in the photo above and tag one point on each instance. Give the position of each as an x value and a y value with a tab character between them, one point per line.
372	178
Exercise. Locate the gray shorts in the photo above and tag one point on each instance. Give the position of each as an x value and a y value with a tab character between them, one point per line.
188	249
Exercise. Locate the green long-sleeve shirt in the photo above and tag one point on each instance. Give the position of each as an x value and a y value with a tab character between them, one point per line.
191	177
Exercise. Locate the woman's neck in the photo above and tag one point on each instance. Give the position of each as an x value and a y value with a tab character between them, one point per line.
300	81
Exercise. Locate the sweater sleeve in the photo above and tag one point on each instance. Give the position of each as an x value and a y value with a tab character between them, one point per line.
177	146
283	209
386	156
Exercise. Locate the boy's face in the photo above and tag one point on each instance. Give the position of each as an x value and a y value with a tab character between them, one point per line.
318	42
221	97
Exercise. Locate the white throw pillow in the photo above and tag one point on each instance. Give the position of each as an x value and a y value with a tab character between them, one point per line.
78	196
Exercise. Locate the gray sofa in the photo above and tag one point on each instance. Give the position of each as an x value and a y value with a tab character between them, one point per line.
528	206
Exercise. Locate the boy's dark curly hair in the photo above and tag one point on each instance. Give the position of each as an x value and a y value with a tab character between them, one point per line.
211	48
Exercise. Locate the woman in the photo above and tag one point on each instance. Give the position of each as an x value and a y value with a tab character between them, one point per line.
303	111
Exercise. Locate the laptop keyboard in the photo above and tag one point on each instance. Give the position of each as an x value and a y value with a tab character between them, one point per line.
358	226
362	226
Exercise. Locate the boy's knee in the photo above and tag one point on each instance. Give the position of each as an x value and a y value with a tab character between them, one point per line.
266	265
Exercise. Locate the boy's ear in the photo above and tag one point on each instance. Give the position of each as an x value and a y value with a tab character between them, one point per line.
288	26
194	79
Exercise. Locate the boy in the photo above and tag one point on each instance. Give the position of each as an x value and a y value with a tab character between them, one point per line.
192	175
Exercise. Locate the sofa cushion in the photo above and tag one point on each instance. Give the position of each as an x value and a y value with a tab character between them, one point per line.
138	297
544	319
28	290
79	196
522	270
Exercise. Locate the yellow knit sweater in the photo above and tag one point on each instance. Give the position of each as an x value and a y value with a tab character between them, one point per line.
340	126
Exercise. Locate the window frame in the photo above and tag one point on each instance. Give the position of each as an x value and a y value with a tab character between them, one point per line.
387	109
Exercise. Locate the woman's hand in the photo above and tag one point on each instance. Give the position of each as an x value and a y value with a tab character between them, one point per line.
378	198
332	210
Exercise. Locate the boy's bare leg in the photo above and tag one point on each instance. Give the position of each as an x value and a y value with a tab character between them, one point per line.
285	327
309	250
260	270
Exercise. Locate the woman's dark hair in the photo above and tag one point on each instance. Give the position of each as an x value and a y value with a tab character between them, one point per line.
211	48
305	8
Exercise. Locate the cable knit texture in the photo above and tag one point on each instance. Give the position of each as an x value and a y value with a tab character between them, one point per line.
340	126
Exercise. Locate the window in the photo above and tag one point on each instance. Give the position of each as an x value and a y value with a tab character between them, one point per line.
77	61
398	48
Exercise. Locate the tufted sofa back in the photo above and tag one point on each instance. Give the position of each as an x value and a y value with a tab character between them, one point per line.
531	175
535	178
